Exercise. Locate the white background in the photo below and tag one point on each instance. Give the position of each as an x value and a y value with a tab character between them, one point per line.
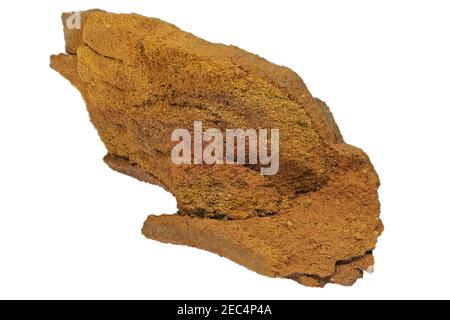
70	227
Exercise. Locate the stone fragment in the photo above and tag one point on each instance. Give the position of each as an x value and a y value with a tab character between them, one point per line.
316	221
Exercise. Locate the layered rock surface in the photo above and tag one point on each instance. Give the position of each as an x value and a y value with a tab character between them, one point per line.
316	221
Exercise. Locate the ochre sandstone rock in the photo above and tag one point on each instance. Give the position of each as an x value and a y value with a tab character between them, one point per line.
316	221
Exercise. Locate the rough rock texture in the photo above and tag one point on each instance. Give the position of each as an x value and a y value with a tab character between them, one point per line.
316	221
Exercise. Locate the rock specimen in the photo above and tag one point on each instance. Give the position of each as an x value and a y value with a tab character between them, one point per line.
316	221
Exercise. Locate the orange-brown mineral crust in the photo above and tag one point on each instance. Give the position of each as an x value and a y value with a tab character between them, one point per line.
316	221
